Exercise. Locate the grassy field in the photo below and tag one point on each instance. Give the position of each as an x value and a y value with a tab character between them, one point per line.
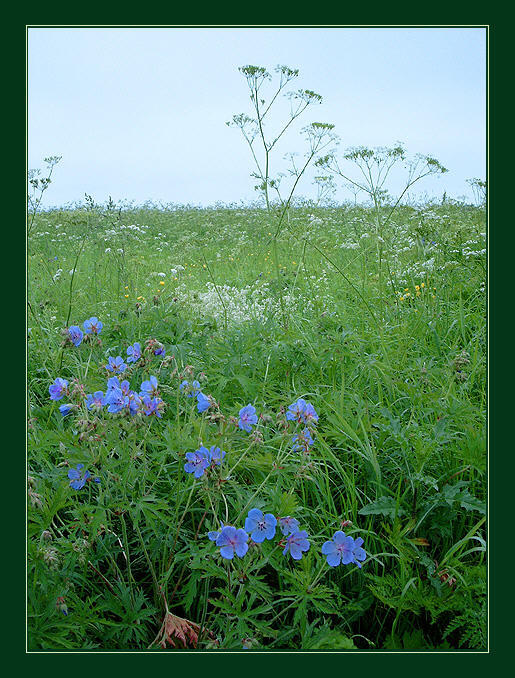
384	337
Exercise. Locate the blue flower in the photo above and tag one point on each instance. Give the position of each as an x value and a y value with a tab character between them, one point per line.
289	525
339	550
58	389
358	553
302	441
65	409
116	400
261	526
112	383
302	412
116	364
93	326
75	334
134	353
149	387
198	462
160	350
125	387
134	402
216	455
248	417
95	400
296	543
231	541
76	480
202	402
151	406
213	536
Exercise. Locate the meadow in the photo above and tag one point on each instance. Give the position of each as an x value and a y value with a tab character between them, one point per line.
268	393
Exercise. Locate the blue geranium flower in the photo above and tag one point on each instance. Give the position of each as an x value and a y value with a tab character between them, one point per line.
116	365
231	541
358	553
216	455
202	402
261	526
95	400
197	462
339	550
288	525
302	441
58	389
150	406
65	409
134	353
149	387
160	350
302	412
116	400
77	481
93	326
296	544
75	334
248	417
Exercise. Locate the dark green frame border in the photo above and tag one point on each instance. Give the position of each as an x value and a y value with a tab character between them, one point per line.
500	357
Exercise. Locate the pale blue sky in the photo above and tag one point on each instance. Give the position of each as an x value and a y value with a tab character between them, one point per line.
139	113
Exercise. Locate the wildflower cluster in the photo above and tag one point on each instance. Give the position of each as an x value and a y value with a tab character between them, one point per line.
302	412
260	527
418	291
92	328
203	459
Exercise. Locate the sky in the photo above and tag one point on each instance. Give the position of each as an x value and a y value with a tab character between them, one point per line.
139	113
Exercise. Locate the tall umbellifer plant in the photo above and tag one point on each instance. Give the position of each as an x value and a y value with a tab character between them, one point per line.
264	132
370	170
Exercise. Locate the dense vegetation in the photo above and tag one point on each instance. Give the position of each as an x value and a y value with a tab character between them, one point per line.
383	334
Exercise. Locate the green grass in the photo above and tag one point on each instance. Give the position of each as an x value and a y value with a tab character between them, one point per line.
400	446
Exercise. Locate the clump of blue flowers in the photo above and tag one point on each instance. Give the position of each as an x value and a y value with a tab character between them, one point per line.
302	412
343	549
202	459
